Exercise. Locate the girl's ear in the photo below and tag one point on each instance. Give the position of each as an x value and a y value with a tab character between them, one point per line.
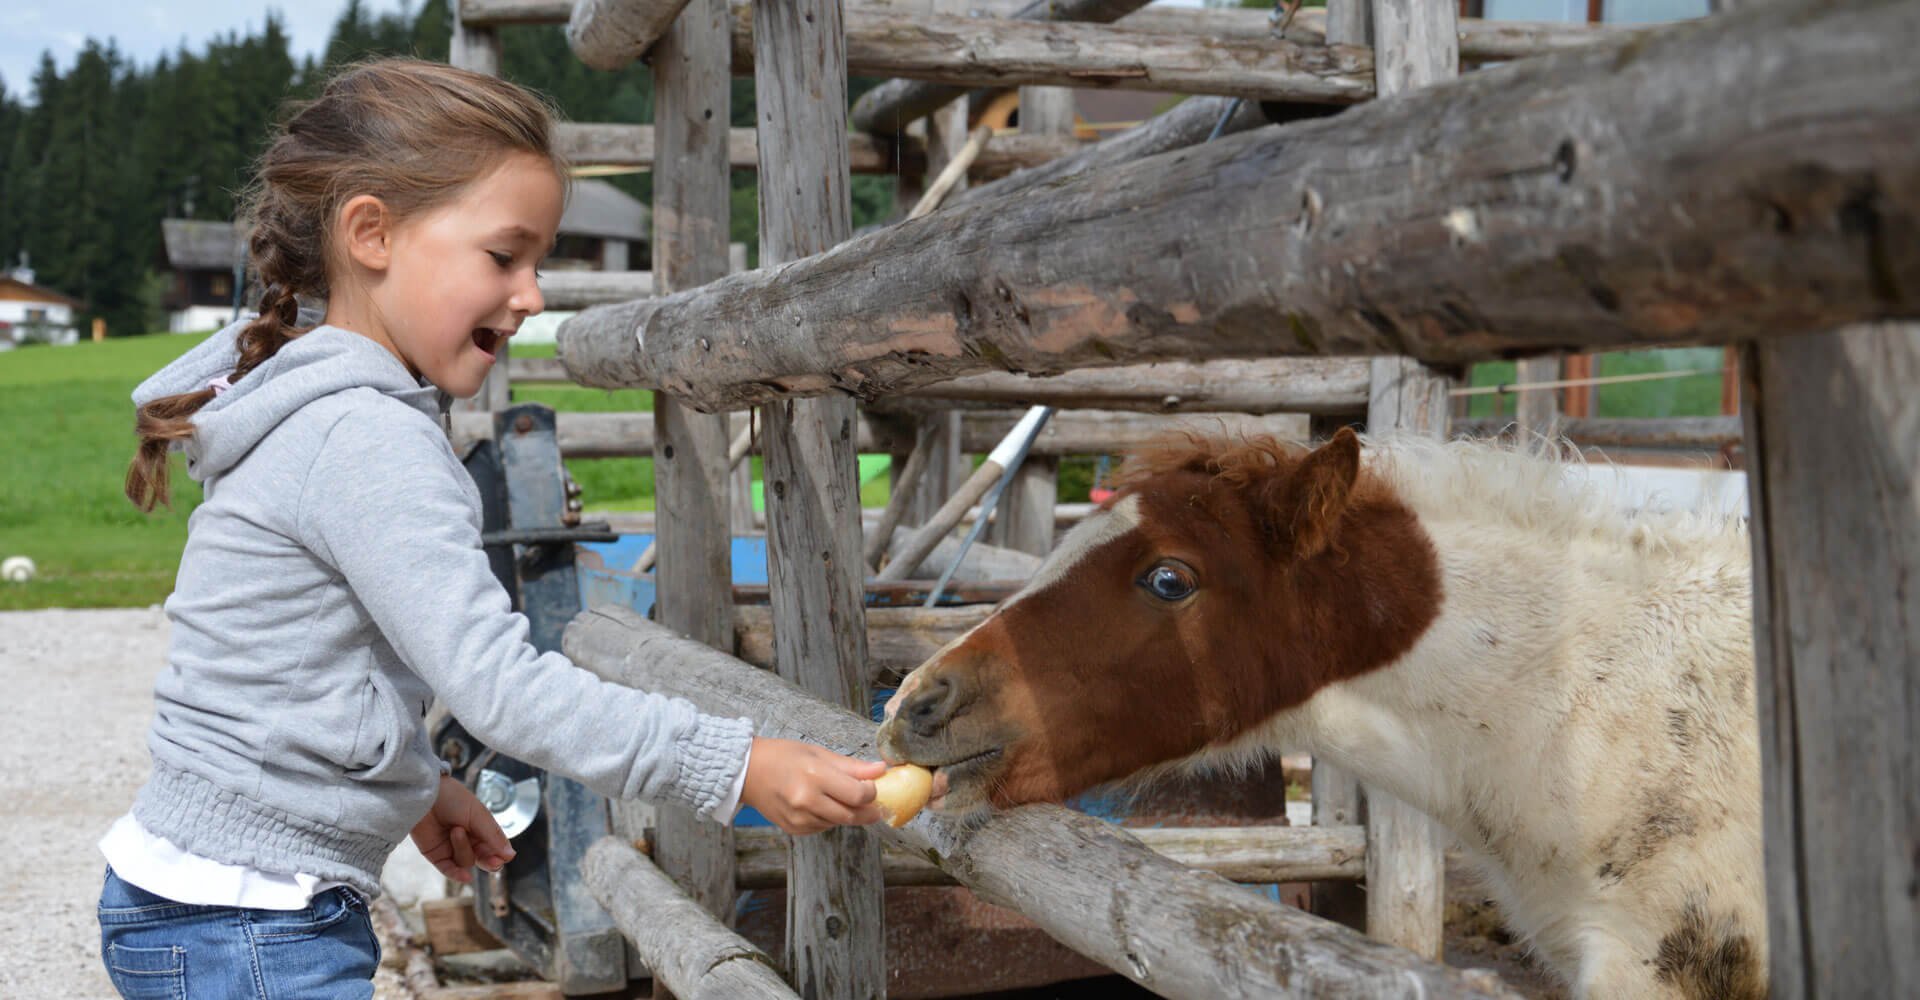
1315	497
367	230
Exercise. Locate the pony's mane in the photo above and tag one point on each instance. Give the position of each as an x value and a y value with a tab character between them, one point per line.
1538	484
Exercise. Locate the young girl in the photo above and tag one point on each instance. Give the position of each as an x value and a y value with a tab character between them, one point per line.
333	581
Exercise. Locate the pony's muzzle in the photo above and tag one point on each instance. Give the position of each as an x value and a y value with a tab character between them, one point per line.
937	702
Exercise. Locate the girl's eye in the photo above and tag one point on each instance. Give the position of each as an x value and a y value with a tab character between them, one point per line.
502	259
1169	581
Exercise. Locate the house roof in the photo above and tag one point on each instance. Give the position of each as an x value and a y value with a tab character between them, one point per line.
14	290
198	244
595	208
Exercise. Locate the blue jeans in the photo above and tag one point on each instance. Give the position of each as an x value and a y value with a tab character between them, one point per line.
157	949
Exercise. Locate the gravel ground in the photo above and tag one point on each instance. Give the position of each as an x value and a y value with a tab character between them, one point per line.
82	686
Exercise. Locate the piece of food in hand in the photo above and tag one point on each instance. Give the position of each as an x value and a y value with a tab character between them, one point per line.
902	792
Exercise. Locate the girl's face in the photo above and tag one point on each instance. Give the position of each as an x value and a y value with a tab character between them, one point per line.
460	278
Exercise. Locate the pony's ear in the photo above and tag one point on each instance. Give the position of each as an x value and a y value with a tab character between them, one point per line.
1315	497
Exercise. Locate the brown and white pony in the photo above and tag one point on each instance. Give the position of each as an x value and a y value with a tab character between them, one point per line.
1565	686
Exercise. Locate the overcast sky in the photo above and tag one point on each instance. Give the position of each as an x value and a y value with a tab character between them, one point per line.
144	29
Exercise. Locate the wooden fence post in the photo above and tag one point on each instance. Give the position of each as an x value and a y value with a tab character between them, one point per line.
691	197
835	917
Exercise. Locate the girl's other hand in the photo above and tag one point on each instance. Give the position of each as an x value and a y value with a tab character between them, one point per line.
803	788
459	833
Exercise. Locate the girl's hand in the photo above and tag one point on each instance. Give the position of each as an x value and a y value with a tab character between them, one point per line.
459	832
805	788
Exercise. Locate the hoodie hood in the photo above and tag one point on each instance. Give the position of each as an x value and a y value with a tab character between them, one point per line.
320	362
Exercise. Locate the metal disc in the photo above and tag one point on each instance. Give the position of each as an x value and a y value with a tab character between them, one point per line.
514	804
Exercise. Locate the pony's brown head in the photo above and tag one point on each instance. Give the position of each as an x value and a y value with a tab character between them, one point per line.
1227	581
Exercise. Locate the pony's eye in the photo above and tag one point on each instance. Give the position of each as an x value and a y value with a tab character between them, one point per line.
1169	581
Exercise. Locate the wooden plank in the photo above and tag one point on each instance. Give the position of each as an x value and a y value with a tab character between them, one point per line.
898	639
454	929
1701	433
1189	122
1086	432
1833	439
609	34
623	145
1406	870
1290	385
1480	40
1538	412
888	107
692	194
1256	855
835	917
1330	236
581	289
689	951
985	52
1090	884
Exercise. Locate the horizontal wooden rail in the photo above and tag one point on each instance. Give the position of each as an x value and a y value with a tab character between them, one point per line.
621	145
1709	433
1090	884
1545	205
689	951
1082	432
1480	40
1248	854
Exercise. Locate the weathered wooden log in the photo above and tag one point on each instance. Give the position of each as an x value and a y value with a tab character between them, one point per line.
692	460
1291	385
1189	122
1833	438
609	34
1247	854
889	107
898	639
633	146
690	951
1480	40
835	940
1705	433
1176	931
581	289
987	52
1553	203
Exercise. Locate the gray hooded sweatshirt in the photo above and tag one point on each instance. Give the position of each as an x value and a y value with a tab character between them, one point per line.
332	584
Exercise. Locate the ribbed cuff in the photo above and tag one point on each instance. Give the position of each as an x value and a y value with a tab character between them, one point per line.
711	758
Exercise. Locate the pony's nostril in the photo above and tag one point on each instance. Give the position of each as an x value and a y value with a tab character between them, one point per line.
931	706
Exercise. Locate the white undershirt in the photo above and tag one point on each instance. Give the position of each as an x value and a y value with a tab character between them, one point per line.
157	865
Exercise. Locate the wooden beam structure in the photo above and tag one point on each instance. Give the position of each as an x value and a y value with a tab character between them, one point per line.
692	197
1480	40
1699	433
689	951
1084	432
1259	855
888	108
619	145
1549	199
836	926
1090	884
1286	385
609	34
1188	123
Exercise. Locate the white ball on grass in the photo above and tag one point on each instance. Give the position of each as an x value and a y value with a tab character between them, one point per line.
17	569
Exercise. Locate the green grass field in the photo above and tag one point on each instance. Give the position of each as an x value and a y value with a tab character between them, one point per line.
69	435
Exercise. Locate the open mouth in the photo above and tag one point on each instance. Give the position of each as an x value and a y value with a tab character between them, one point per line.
489	340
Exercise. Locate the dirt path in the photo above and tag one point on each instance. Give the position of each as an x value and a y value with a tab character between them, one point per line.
71	756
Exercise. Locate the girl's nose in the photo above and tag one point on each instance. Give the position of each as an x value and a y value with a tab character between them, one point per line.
527	299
